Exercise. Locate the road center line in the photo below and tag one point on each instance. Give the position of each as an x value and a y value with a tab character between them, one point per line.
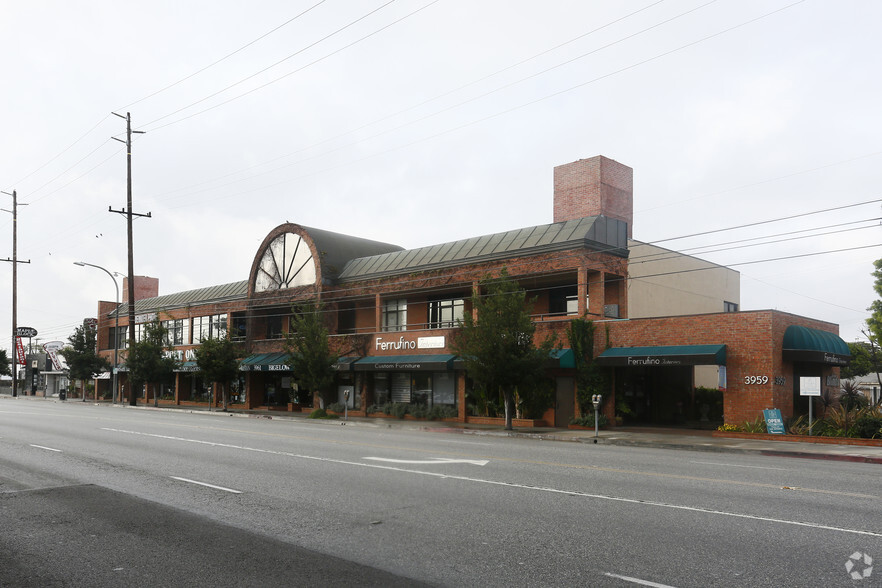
46	448
637	581
207	485
515	485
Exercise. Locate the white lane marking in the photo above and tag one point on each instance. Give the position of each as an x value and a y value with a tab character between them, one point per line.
46	448
637	581
735	465
434	460
636	501
207	485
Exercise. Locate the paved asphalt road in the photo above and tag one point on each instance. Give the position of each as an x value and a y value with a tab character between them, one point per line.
111	496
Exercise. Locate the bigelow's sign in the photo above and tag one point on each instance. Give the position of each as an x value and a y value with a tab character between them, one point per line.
407	344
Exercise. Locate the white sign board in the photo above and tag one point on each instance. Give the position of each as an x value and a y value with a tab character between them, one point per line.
809	386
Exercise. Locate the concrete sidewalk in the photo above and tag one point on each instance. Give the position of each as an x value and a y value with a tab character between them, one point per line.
656	437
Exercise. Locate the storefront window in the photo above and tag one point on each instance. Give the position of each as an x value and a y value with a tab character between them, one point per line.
443	388
399	387
381	388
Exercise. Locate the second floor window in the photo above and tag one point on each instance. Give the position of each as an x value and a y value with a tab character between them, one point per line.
205	327
443	314
274	329
178	332
564	300
395	315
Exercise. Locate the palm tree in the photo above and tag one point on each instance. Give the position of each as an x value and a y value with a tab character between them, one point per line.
851	396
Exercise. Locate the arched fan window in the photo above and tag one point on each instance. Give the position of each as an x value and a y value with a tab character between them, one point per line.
287	262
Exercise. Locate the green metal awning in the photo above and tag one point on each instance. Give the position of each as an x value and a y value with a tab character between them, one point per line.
266	362
663	355
563	358
802	344
188	366
408	363
344	364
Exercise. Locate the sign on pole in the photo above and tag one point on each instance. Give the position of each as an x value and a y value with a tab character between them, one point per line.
26	332
809	386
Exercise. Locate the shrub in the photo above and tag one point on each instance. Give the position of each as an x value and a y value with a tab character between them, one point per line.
418	411
320	413
757	426
868	426
336	407
398	410
588	420
443	411
729	428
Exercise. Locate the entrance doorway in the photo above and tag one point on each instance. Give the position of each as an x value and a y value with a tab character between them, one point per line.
564	409
647	395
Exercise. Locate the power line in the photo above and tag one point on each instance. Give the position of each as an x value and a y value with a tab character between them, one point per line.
224	58
299	51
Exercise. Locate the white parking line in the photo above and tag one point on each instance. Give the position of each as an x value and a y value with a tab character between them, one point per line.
206	485
637	581
46	448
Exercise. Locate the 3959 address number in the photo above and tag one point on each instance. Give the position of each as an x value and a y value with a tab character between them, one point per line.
756	380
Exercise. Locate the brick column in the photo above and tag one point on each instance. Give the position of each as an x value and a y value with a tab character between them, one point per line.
582	290
596	294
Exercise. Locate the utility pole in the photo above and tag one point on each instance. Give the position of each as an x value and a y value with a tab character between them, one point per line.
129	214
15	263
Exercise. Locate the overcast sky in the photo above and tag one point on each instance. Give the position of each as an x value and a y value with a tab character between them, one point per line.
417	122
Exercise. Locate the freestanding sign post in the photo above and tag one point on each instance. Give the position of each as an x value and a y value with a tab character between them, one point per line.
810	386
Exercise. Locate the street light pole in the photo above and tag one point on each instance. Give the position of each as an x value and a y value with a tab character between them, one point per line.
115	333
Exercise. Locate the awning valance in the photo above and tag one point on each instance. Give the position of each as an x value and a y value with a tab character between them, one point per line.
802	344
188	366
344	364
663	355
266	362
409	363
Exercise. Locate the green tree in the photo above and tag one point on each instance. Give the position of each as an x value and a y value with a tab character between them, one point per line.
309	346
5	364
873	332
218	361
861	362
82	357
497	346
591	378
147	361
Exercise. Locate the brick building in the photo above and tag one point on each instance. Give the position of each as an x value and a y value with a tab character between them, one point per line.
392	312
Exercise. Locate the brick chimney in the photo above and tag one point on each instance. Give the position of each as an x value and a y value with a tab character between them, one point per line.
145	287
591	187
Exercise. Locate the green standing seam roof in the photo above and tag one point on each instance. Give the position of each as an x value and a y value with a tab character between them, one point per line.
599	233
664	355
802	344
